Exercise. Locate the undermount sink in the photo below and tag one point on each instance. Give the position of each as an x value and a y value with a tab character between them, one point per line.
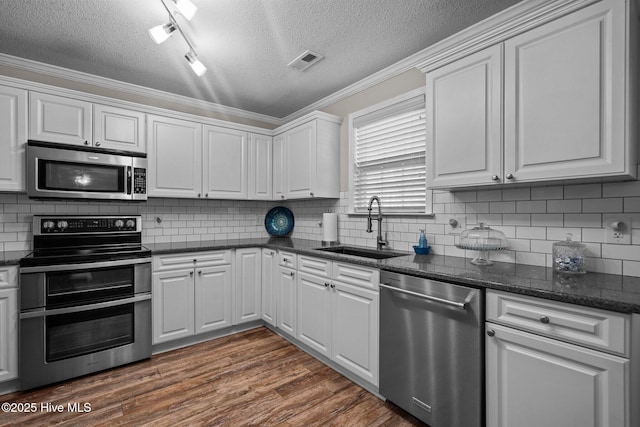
362	252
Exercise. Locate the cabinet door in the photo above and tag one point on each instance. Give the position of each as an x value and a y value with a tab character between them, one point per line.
314	312
175	157
464	121
355	330
535	381
213	296
279	174
8	334
13	135
300	161
59	119
287	297
118	128
225	160
565	97
260	167
269	290
247	285
173	305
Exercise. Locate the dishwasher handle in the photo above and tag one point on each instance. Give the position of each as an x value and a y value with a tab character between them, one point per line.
454	304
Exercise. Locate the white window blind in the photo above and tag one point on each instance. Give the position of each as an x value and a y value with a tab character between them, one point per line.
389	157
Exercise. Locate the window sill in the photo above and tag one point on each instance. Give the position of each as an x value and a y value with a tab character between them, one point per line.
400	215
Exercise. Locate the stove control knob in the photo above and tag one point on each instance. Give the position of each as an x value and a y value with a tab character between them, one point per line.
131	223
62	225
119	223
48	225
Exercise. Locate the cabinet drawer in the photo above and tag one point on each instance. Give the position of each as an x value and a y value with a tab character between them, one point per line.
287	259
355	275
317	266
190	260
591	327
8	277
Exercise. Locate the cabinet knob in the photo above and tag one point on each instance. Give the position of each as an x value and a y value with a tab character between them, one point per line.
198	194
206	195
97	143
326	285
199	272
191	273
292	274
509	176
311	194
544	319
491	332
282	196
333	286
495	178
86	143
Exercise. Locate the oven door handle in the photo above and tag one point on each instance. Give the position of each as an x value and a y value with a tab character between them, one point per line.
77	309
85	266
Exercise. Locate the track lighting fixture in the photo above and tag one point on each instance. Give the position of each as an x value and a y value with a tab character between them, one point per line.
195	63
162	32
186	8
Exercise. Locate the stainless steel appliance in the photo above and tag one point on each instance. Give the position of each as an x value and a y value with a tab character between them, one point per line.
85	297
76	172
431	349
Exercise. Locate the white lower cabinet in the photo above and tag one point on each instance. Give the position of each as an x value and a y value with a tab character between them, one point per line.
287	293
8	323
338	306
247	286
269	290
192	293
535	378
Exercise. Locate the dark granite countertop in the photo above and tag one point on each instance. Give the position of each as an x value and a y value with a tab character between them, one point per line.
605	291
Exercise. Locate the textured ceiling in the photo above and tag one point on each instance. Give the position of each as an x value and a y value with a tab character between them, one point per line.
245	44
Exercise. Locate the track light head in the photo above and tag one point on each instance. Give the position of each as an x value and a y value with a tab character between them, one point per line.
160	33
197	66
186	8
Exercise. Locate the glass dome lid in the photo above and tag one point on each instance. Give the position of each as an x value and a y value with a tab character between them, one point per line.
483	238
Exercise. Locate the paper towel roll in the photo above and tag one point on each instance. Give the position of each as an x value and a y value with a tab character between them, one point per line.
330	227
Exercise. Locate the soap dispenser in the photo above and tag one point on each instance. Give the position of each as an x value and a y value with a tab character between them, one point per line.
422	241
422	248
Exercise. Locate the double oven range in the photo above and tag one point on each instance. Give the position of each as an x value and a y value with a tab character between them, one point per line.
85	297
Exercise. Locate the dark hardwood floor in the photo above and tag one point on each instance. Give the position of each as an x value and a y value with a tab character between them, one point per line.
251	378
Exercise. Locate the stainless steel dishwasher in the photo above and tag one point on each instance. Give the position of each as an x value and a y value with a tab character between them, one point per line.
431	349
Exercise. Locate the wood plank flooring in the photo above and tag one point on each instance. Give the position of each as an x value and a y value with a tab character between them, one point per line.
251	378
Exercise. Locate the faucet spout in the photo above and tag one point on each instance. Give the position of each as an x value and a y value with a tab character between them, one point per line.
380	242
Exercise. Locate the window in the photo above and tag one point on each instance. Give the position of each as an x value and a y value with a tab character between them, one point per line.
387	147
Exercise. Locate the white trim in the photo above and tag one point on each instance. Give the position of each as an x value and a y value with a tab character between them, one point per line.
495	29
103	82
379	106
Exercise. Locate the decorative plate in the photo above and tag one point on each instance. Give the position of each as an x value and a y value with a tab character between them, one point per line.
279	221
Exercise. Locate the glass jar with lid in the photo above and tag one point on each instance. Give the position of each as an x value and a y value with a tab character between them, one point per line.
569	256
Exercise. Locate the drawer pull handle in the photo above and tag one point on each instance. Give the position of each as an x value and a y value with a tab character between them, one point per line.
491	332
544	319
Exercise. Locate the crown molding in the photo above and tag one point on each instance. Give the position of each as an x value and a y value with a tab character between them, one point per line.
495	29
106	83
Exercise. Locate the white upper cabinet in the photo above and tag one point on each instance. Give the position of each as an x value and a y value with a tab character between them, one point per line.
55	118
468	90
13	135
565	113
565	98
175	157
118	128
225	162
58	119
260	167
309	151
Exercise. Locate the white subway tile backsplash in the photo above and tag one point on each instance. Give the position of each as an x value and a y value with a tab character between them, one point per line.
549	220
489	195
538	206
516	219
621	189
547	193
537	233
625	252
603	265
502	207
631	268
523	193
602	205
560	233
564	206
583	220
585	191
632	204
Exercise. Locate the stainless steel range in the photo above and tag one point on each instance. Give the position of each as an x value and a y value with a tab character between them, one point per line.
85	297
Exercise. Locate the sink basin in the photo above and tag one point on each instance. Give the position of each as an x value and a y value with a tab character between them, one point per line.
362	252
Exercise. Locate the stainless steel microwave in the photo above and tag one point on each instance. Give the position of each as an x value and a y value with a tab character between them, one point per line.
61	171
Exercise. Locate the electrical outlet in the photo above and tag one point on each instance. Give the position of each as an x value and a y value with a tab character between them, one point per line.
617	229
456	224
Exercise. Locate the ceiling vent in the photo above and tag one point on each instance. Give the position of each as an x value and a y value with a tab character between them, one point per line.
304	61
